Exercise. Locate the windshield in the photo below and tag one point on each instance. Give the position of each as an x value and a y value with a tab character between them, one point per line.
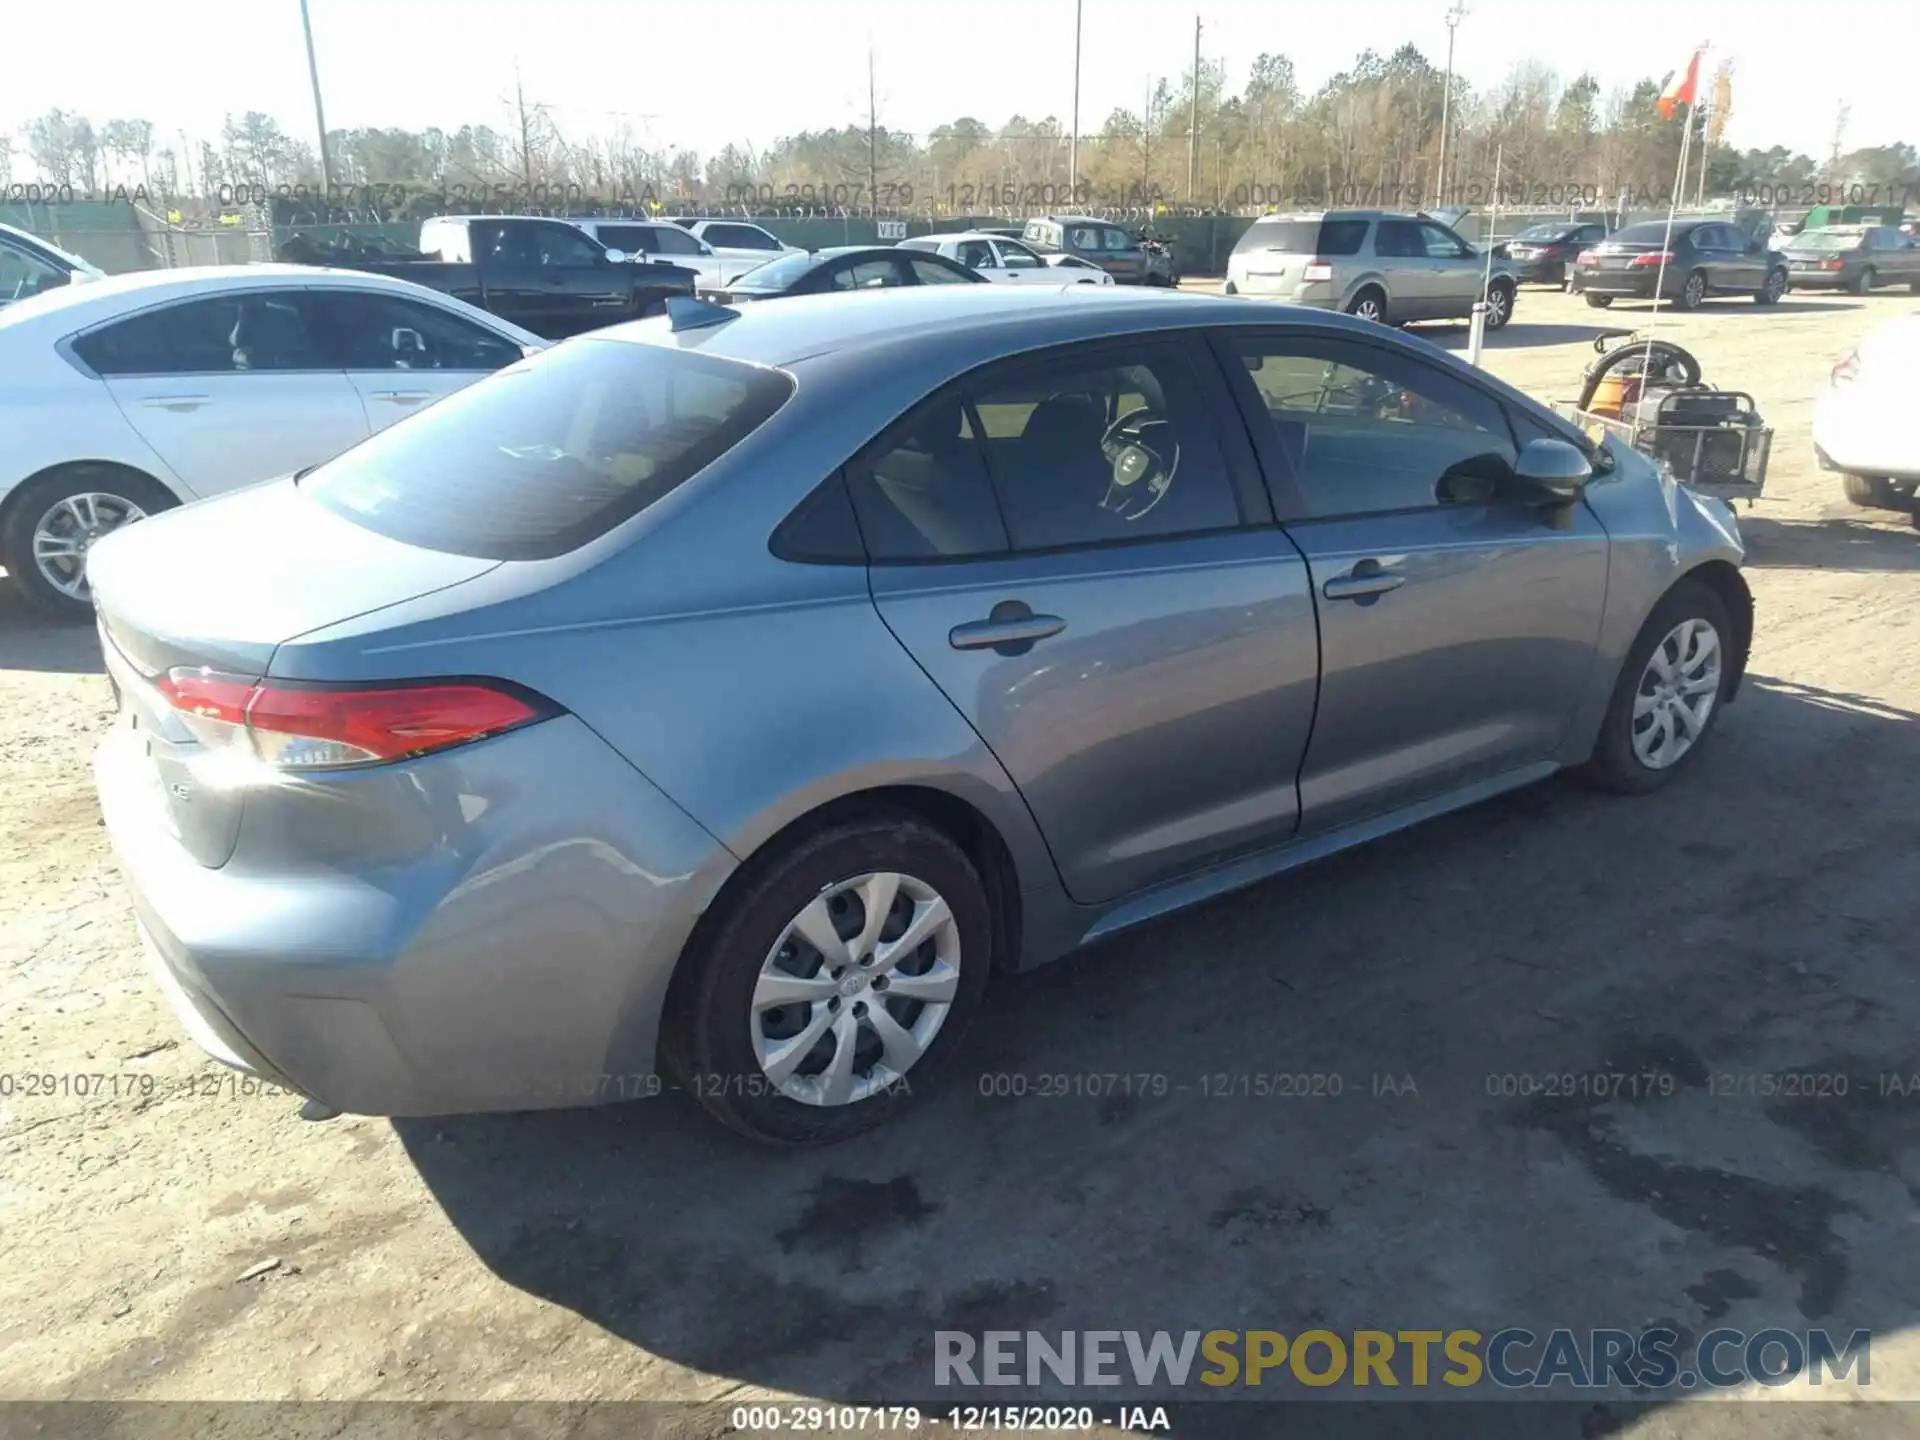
776	274
551	452
1830	240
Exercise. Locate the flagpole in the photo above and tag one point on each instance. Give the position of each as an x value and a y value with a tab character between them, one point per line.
1666	244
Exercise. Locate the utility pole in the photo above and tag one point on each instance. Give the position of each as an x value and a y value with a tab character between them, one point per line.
1146	148
1073	147
1193	114
1455	14
873	141
1839	137
319	115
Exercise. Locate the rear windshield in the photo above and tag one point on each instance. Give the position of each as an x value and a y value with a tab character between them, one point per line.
1831	240
551	452
1305	237
1648	232
776	274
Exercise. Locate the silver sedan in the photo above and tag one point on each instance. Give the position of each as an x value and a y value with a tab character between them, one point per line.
723	697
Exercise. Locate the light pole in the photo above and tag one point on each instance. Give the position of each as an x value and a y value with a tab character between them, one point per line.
1455	14
319	115
1073	146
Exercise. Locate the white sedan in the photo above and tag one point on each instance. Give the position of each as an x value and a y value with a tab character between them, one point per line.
997	257
1863	423
139	392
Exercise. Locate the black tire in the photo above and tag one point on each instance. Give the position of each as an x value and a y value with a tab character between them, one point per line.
1599	302
1369	295
706	1037
1864	282
1229	289
34	501
1500	302
1614	766
1693	291
1874	492
1772	288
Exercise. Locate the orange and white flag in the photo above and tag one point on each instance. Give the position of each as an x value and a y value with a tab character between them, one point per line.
1682	90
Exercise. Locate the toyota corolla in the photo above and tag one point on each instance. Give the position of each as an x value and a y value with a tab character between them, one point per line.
725	696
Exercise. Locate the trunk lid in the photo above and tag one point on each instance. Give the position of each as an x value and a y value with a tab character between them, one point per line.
222	584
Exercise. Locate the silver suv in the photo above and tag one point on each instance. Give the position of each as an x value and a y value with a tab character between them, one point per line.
1371	263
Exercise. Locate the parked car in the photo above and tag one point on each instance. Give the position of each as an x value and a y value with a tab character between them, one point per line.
662	242
845	267
1863	421
995	257
1375	264
1543	254
31	266
129	395
1099	242
1858	258
735	699
739	240
1705	258
538	273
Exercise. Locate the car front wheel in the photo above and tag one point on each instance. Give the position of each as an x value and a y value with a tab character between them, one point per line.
1670	691
834	983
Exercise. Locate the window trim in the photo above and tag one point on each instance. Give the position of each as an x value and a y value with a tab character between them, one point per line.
1289	499
67	344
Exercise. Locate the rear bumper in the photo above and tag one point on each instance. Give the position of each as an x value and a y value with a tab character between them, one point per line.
1820	279
488	929
1625	284
1539	272
1866	432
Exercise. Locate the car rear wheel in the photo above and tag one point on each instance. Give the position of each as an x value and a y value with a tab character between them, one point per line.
1499	306
1669	693
1693	292
1864	281
1874	492
57	519
1599	302
1369	304
836	982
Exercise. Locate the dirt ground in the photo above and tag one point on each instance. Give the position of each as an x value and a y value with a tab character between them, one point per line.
1753	920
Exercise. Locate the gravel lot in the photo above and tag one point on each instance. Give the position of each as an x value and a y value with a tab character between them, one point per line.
1745	922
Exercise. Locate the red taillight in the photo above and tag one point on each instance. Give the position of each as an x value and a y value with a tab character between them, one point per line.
1657	259
1833	264
1318	270
1586	257
310	727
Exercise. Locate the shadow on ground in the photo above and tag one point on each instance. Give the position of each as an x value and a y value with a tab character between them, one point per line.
1752	919
1833	544
30	640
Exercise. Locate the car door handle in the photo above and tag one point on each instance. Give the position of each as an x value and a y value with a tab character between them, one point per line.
178	403
403	397
1011	628
1364	580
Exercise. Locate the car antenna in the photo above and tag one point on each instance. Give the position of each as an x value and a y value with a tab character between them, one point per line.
684	312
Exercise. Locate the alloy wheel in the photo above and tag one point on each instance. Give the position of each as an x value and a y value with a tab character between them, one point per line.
1677	693
853	993
63	536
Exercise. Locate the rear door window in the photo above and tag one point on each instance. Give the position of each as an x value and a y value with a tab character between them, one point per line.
258	330
551	452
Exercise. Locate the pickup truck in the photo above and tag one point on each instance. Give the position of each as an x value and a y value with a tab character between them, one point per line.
29	265
543	275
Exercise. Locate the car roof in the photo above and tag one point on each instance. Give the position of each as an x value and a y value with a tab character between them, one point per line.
97	300
809	326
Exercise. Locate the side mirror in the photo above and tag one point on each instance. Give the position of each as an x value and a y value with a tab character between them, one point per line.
1551	472
617	257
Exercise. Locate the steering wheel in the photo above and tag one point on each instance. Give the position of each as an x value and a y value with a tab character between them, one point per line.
1143	467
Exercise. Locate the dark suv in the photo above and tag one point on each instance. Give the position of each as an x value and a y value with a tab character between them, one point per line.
1098	242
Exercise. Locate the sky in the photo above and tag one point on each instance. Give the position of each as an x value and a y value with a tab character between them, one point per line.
693	75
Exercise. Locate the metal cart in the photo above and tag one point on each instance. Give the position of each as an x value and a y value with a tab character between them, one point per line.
1710	440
